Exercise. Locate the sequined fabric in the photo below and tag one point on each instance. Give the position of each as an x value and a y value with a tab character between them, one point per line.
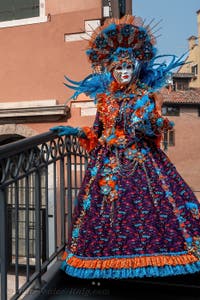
135	215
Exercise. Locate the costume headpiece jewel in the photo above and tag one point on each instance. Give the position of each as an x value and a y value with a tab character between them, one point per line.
121	39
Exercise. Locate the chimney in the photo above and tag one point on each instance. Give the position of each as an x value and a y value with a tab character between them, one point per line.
198	23
192	42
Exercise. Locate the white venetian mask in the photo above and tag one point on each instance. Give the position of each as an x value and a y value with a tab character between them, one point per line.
123	73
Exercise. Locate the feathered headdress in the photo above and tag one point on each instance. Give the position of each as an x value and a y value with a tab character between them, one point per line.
126	39
121	39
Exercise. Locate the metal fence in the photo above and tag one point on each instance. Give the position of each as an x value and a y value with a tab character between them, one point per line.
39	179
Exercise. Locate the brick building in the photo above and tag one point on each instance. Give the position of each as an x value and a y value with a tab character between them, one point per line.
183	107
191	70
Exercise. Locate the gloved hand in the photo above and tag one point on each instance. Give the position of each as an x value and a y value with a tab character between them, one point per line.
68	130
164	123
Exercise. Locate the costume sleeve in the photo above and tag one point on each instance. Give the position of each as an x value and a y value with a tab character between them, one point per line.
151	122
160	123
91	135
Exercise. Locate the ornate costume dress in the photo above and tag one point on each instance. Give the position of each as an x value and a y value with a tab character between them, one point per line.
135	215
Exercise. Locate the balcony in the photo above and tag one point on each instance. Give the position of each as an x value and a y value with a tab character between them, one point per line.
39	180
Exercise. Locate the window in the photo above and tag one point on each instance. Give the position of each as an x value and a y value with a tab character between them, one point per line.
182	85
21	12
18	9
194	69
171	137
168	138
170	111
106	8
122	8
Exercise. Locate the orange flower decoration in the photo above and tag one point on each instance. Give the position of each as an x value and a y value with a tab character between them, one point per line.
111	183
108	109
91	141
102	182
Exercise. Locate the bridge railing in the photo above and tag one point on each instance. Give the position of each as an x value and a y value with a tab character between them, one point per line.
39	179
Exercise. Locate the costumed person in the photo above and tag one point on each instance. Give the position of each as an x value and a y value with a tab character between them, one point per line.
135	215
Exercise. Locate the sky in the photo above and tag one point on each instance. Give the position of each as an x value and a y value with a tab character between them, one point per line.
178	22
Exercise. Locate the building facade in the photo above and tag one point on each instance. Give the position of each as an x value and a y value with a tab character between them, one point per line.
182	105
41	41
44	40
192	68
183	142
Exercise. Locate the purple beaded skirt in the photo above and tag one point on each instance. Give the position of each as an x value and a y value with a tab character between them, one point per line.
135	217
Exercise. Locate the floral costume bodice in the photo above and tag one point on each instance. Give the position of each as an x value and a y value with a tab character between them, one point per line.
125	129
125	119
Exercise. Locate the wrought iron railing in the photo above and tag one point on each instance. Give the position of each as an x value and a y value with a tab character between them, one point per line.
39	178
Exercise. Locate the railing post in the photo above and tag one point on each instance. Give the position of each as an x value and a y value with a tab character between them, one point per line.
38	229
3	245
62	201
69	193
27	167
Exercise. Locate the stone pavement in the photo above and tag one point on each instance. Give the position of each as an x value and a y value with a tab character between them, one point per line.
179	288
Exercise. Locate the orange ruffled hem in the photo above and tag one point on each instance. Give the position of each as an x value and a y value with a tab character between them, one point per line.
90	141
134	262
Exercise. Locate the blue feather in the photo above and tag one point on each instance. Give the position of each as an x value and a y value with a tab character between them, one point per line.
92	85
71	87
141	102
153	74
72	81
156	75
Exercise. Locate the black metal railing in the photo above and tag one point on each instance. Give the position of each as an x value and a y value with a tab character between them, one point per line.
39	179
